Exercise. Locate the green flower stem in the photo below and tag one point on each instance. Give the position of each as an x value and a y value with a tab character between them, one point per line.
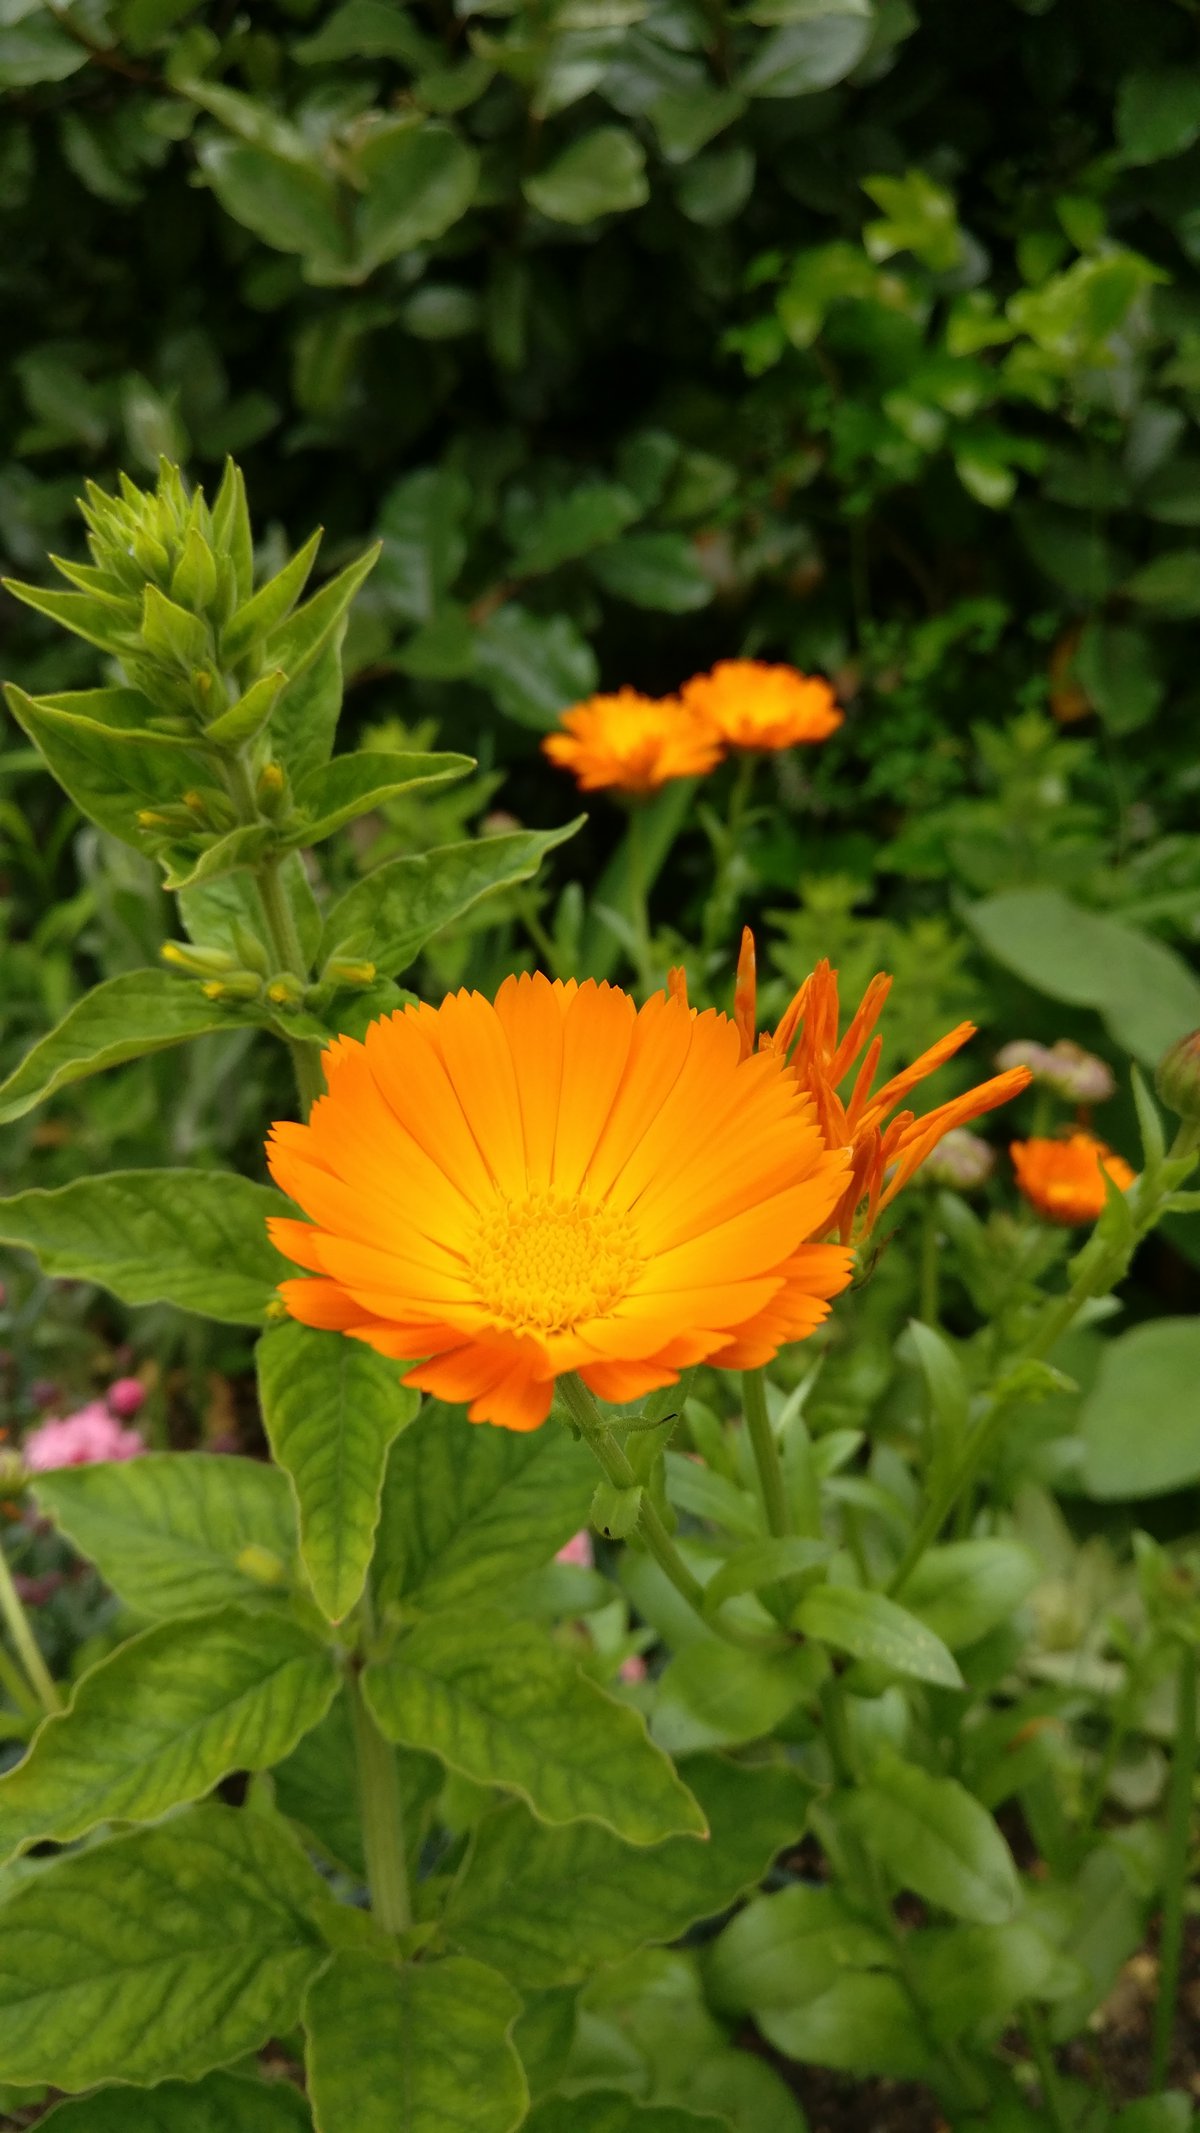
25	1643
637	890
306	1056
1102	1263
929	1293
382	1817
1033	2022
766	1454
590	1423
1175	1865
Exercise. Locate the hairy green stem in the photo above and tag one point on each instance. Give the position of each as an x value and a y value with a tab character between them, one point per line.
25	1643
306	1055
1175	1864
382	1813
586	1415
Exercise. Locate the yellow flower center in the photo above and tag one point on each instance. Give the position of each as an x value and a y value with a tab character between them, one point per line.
541	1264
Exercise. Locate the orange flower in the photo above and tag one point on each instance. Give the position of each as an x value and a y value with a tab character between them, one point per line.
751	705
559	1181
1064	1179
885	1151
632	743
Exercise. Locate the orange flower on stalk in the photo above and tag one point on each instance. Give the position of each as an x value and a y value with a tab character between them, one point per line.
1064	1179
558	1182
885	1151
752	705
632	743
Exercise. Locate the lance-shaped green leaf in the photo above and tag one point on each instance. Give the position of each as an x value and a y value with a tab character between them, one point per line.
331	1408
966	1588
187	868
500	1702
108	623
467	1512
270	605
219	914
163	1719
169	1951
871	1627
391	914
353	784
297	641
194	1238
177	1532
423	2048
140	1012
305	719
246	718
109	775
549	1905
936	1839
117	710
223	2103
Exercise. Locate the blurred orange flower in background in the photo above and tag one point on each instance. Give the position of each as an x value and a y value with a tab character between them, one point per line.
752	705
1064	1179
555	1182
632	743
885	1151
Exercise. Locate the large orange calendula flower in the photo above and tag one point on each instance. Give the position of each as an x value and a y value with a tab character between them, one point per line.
885	1150
559	1181
751	705
1064	1179
632	743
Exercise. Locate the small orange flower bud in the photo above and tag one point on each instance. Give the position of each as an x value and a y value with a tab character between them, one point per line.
1064	1179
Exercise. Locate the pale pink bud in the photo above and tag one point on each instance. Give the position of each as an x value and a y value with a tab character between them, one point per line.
633	1668
125	1396
578	1551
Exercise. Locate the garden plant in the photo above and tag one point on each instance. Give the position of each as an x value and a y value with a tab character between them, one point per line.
599	1067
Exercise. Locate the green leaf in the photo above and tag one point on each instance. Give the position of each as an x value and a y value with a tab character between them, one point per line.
517	1900
1118	669
782	1949
715	187
1158	113
193	1238
966	1588
761	1563
420	179
292	206
603	173
422	2048
306	633
391	913
1171	583
174	1533
1145	993
716	1695
813	53
305	718
364	29
165	1952
423	523
143	1011
935	1839
592	515
862	2023
216	913
533	665
945	1379
36	50
467	1511
1138	1422
612	2111
109	775
655	570
354	784
874	1628
499	1701
163	1719
331	1408
223	2103
270	605
973	1975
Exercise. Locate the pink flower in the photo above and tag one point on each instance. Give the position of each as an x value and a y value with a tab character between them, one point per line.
578	1550
124	1397
81	1439
632	1669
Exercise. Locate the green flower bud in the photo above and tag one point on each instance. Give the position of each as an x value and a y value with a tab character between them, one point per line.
339	971
239	985
286	992
198	962
1178	1078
